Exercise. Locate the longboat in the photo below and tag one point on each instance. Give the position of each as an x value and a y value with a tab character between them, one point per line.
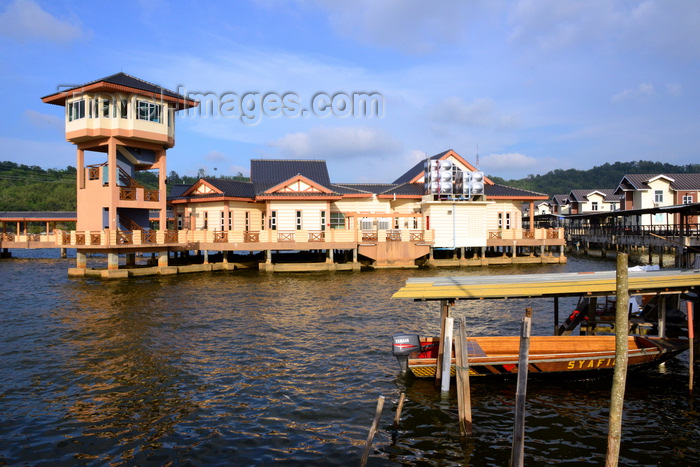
570	357
563	354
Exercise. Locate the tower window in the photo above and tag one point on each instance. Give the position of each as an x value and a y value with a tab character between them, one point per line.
148	111
76	110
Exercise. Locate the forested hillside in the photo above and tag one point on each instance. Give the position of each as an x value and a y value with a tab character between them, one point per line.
31	188
604	176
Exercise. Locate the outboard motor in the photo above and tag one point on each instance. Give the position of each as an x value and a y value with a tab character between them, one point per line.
403	346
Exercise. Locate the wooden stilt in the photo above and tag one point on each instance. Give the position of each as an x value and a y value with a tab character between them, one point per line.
464	401
447	356
691	349
518	454
620	373
372	430
444	314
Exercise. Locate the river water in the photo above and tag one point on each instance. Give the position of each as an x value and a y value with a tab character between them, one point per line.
247	368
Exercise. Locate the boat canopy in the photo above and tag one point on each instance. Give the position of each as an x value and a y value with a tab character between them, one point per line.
667	281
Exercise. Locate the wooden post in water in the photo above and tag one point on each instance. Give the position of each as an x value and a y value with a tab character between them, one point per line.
691	349
517	457
464	402
372	430
617	395
444	314
447	356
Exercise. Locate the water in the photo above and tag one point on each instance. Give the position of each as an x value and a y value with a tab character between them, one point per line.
245	368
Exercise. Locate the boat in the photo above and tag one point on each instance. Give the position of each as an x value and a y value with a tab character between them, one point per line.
569	357
589	355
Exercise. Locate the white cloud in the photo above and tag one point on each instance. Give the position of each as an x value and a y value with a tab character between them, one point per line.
41	120
412	26
479	113
497	164
640	93
215	156
25	20
328	143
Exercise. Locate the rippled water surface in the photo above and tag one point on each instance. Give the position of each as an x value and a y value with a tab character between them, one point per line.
244	368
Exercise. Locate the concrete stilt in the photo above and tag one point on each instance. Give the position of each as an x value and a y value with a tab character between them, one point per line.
80	260
112	261
163	259
131	259
63	253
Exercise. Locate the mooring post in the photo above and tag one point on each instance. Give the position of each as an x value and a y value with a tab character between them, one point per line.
447	356
464	402
517	458
691	349
372	430
617	396
444	314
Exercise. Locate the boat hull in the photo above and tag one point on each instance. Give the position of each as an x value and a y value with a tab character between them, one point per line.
576	357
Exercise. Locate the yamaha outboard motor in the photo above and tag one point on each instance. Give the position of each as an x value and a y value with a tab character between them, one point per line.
403	346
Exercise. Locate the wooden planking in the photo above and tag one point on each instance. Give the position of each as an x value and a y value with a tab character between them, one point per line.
545	285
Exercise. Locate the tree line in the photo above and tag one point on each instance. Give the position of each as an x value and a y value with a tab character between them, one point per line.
606	176
32	188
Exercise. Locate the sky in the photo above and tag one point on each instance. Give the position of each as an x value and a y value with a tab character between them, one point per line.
519	87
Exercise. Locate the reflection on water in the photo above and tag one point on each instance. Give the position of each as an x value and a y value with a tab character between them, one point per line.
257	369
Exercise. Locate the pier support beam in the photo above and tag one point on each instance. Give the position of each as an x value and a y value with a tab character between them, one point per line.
80	260
112	261
329	255
131	259
163	259
63	253
206	256
354	255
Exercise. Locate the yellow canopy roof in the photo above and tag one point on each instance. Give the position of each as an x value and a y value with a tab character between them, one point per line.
546	285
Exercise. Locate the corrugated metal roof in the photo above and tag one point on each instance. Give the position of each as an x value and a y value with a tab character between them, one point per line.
545	285
417	169
507	191
123	79
266	173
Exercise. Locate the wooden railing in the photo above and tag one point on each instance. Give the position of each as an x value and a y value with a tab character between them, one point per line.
125	237
285	236
151	195
251	237
127	194
393	236
220	237
171	236
317	236
148	236
370	236
416	236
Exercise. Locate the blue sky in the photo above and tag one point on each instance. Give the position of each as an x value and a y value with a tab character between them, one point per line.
534	85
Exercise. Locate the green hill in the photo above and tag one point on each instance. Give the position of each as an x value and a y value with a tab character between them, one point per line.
604	176
31	188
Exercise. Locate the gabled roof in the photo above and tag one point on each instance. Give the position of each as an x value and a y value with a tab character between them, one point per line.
560	199
417	169
501	191
267	173
218	189
580	195
369	188
415	173
677	182
121	82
